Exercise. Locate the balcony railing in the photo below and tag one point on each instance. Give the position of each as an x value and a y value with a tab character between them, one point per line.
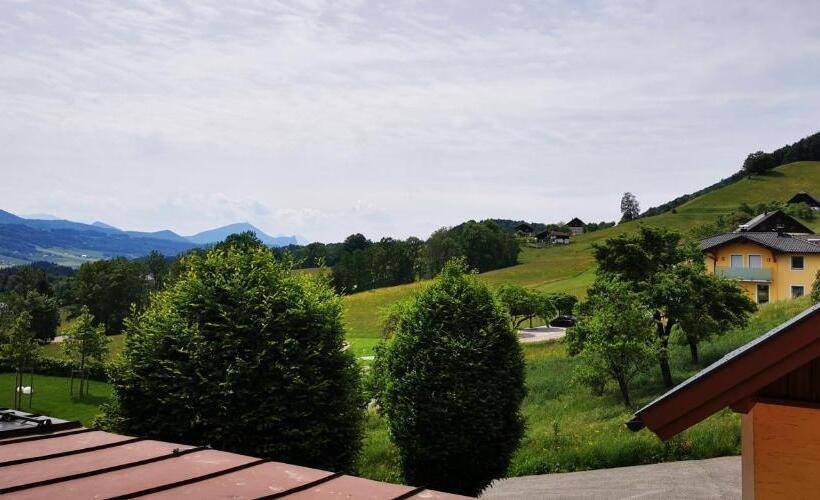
745	273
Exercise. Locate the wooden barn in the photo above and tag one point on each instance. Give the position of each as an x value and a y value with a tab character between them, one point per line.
576	226
523	229
773	382
774	221
804	197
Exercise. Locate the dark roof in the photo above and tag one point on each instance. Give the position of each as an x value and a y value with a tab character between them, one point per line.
776	220
785	243
804	197
735	377
60	461
523	227
576	222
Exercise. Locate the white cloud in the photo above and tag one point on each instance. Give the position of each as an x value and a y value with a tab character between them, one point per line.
295	115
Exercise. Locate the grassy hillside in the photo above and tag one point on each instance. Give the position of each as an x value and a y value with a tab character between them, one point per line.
571	268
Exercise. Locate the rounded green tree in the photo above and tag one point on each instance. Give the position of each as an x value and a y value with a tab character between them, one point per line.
243	354
450	383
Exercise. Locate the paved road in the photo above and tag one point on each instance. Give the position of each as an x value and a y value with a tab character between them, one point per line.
715	478
541	334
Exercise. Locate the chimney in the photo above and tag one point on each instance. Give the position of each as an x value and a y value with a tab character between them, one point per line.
780	230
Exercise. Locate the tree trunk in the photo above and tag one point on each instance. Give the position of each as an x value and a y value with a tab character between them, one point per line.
624	391
693	349
82	375
663	357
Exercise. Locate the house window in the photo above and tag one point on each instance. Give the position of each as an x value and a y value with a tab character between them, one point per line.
797	262
797	291
755	261
762	294
736	261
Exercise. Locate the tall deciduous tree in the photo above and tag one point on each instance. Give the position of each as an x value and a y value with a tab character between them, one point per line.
43	310
525	304
21	350
615	335
109	288
158	268
630	209
669	276
759	163
715	306
85	343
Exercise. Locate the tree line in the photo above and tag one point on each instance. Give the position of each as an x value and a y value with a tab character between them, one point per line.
362	264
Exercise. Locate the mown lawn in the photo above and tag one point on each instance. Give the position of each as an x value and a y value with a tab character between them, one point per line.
570	429
52	398
115	345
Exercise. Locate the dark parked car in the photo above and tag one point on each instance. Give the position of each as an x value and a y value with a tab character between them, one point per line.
564	321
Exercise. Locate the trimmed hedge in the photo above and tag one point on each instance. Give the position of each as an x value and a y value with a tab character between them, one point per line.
60	368
450	382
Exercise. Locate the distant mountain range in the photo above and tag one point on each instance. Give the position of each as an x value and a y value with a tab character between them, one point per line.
24	239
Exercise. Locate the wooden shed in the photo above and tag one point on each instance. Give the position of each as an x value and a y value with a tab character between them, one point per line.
774	383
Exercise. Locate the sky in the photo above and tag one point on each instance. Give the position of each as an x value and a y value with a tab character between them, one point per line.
324	118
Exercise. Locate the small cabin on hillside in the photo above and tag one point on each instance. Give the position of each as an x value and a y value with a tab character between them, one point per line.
576	226
804	197
774	221
773	382
523	229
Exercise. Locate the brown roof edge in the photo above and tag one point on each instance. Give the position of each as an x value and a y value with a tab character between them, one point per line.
735	377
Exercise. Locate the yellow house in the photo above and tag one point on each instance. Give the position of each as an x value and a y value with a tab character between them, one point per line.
769	265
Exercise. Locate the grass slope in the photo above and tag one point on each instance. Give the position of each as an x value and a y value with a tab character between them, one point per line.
570	268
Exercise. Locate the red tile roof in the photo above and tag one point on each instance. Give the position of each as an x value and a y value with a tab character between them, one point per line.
82	463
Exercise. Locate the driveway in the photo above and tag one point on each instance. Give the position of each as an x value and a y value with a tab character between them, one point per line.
715	478
541	334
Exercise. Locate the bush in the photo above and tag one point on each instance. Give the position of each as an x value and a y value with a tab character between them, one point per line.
243	354
815	289
57	367
451	383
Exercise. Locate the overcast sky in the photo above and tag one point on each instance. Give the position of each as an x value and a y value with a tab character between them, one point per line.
324	118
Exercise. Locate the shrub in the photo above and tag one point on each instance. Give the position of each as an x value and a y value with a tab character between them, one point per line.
243	354
815	289
451	384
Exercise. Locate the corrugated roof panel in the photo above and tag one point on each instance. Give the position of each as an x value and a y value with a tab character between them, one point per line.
41	470
141	477
353	487
254	482
57	444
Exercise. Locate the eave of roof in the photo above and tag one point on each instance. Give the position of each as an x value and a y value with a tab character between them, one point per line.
735	377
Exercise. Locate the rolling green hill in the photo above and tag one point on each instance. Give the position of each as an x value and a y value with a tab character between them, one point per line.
571	268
